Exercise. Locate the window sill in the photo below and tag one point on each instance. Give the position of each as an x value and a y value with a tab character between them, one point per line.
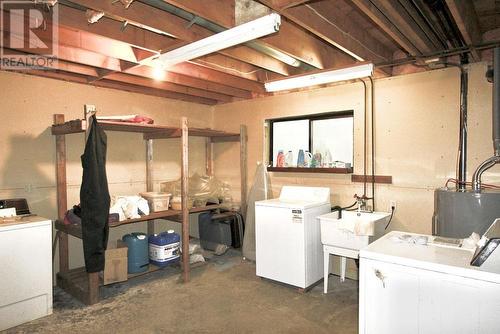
310	170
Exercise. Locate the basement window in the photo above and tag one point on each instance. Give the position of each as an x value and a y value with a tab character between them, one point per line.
313	143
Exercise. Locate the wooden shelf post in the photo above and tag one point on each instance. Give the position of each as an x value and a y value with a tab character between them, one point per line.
149	178
184	195
62	197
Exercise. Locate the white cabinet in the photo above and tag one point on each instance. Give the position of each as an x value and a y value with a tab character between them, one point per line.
26	271
401	292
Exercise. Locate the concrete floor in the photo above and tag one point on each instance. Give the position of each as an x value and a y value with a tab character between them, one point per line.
224	296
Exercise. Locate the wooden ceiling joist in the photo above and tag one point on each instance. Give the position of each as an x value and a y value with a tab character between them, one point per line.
135	36
337	30
285	4
370	10
121	86
169	87
220	11
465	17
291	40
121	58
405	24
161	21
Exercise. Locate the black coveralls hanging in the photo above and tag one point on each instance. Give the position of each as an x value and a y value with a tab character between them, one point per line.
94	198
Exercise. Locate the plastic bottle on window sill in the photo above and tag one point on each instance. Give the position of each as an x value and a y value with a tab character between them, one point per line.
301	159
316	160
307	159
289	159
327	159
280	159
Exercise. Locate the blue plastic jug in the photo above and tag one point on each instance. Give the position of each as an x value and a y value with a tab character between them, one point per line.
164	248
138	259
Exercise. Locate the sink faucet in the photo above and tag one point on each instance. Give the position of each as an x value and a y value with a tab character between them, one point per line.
361	202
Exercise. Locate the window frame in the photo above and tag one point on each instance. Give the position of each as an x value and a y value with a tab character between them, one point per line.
311	118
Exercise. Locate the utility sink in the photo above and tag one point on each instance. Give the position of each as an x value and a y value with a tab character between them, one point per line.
354	230
346	236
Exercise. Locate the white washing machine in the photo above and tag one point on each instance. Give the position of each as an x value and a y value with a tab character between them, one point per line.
287	235
25	270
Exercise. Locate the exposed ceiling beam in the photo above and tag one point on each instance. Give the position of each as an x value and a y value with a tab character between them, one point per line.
158	84
184	80
465	17
284	4
75	18
229	66
337	30
83	79
91	72
370	10
160	21
415	12
108	64
290	39
221	11
397	14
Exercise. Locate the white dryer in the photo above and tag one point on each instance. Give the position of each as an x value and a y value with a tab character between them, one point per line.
287	235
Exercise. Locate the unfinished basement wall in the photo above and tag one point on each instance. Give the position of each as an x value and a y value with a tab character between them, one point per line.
27	162
416	138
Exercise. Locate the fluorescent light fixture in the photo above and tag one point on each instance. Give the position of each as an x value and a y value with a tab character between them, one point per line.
240	34
319	78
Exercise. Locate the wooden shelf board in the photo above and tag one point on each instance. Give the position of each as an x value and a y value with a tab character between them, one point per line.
76	280
76	230
383	179
310	170
150	131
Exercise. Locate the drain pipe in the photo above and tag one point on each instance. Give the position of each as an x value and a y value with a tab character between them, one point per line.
476	178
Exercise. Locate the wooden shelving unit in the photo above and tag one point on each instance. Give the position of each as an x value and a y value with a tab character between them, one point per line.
85	286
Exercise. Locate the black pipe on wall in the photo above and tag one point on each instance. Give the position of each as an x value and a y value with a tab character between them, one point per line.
462	149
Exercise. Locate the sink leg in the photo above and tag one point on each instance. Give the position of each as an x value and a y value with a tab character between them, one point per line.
342	268
326	270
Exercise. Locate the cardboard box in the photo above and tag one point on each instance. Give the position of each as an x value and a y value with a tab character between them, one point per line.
115	267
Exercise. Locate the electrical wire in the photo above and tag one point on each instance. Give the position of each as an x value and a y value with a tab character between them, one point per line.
201	61
390	218
483	185
361	44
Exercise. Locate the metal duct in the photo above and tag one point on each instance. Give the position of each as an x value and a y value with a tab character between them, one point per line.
476	178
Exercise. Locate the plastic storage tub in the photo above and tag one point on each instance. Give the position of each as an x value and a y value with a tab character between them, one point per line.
164	248
157	201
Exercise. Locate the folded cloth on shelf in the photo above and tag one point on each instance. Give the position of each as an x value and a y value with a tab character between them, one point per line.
71	217
129	207
139	119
